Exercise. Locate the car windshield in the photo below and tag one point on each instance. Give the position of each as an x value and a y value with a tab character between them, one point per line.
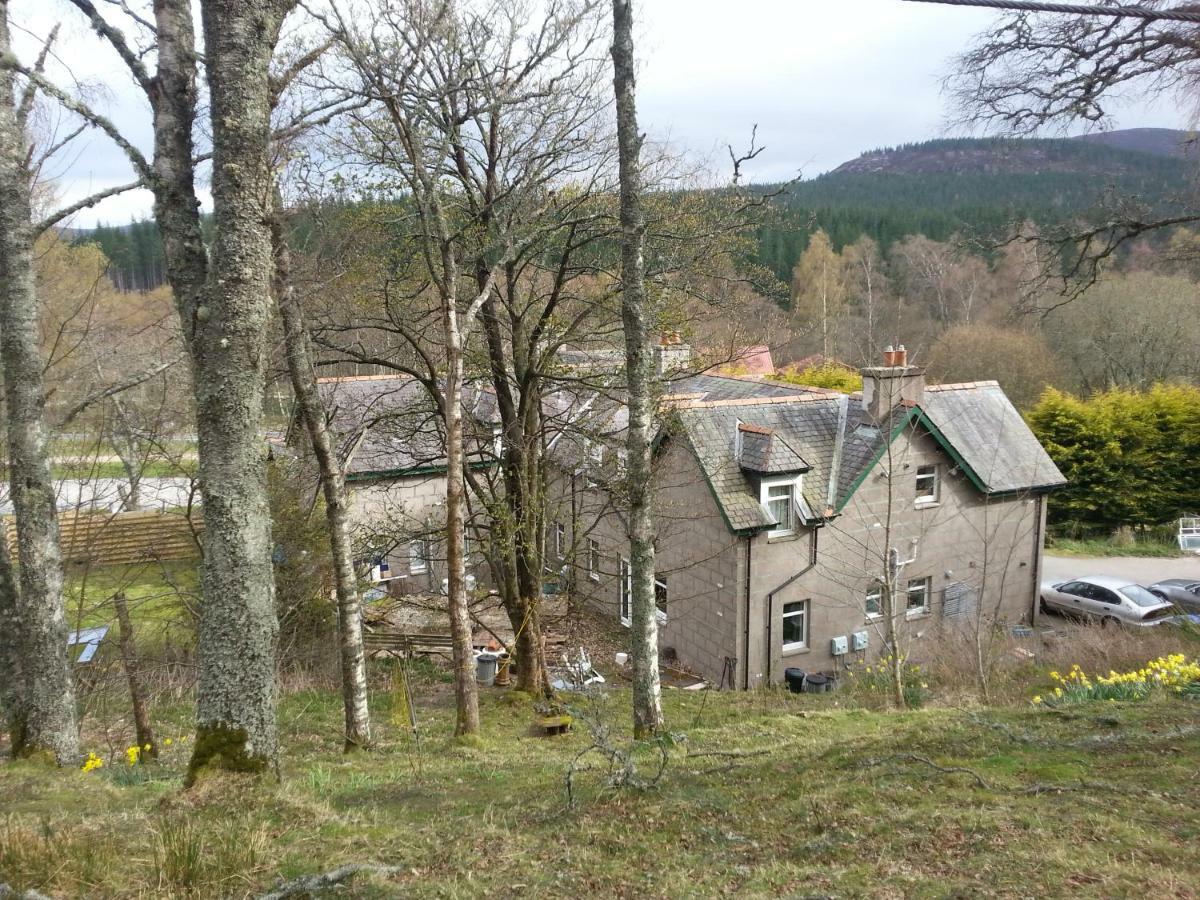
1140	595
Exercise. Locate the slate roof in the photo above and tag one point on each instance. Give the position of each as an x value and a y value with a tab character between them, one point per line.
978	420
836	439
767	453
387	424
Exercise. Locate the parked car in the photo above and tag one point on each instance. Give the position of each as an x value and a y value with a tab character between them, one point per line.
1183	592
1109	600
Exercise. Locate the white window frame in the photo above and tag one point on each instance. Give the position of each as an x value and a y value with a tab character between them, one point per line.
803	614
596	453
765	487
560	540
660	581
625	594
930	498
593	561
877	593
498	442
418	557
926	584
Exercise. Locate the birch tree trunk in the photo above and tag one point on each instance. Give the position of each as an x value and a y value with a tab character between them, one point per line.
49	693
465	694
639	371
237	689
312	411
12	677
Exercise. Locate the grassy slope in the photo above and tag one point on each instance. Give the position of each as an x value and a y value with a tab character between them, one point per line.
825	809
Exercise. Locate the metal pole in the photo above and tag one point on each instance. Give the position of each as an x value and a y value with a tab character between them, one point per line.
1080	9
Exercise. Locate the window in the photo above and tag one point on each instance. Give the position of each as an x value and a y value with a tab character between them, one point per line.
418	557
498	443
596	453
795	626
660	597
779	498
593	559
918	596
626	593
927	484
560	540
874	604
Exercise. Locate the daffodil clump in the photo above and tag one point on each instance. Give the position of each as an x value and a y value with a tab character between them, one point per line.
92	763
1175	673
134	754
877	679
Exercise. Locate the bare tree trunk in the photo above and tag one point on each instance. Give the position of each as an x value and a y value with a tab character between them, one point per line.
133	672
896	661
639	370
49	703
312	410
12	678
237	689
466	697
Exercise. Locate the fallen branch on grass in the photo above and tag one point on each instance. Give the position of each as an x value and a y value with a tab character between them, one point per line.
307	884
924	760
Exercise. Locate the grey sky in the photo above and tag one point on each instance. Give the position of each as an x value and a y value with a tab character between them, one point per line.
822	79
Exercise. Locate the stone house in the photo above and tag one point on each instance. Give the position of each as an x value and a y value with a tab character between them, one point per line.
782	511
392	446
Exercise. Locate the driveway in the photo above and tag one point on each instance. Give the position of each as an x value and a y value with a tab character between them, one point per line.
1139	569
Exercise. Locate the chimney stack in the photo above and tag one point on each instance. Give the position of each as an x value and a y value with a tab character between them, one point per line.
893	384
671	353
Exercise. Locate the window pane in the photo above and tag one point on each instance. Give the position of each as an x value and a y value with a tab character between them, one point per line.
780	506
660	593
918	593
874	604
795	623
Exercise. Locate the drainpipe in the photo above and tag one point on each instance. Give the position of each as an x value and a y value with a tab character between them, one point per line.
746	651
812	561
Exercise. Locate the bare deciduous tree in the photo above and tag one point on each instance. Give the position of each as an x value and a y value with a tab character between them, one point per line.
639	320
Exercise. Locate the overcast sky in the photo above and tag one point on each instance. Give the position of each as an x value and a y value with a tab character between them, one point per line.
822	79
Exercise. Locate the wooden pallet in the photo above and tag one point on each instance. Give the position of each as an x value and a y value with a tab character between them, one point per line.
405	643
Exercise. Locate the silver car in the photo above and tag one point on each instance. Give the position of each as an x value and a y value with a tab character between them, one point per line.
1109	600
1183	592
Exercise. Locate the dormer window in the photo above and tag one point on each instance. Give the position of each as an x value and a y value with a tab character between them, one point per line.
779	498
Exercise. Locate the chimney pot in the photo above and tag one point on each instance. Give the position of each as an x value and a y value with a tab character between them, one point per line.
900	357
889	356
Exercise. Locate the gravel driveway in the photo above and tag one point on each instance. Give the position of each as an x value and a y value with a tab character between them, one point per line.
1140	569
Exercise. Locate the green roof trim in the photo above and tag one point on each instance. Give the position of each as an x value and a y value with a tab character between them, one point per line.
405	473
915	416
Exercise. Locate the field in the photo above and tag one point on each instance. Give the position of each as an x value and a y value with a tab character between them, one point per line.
764	794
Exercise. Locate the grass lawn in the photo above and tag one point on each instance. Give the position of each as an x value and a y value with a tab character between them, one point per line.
1069	547
813	800
154	591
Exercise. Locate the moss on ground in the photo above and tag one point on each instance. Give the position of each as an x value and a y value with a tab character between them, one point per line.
1099	800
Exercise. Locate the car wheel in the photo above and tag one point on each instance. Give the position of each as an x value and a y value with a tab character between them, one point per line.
1109	620
1043	606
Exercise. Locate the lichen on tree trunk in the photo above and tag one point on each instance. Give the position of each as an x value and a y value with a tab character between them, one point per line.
48	691
237	688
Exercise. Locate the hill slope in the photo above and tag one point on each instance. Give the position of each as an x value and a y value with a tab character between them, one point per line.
978	185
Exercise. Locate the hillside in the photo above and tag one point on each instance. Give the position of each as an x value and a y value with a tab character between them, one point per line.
771	795
977	186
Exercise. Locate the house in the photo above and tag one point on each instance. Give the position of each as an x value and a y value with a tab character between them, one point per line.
392	447
783	510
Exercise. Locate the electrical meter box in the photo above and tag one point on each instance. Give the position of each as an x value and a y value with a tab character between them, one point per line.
838	646
859	640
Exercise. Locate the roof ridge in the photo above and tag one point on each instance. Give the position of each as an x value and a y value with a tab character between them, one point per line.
962	385
757	401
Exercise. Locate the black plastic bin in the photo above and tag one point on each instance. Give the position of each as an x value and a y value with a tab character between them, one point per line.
816	683
794	679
